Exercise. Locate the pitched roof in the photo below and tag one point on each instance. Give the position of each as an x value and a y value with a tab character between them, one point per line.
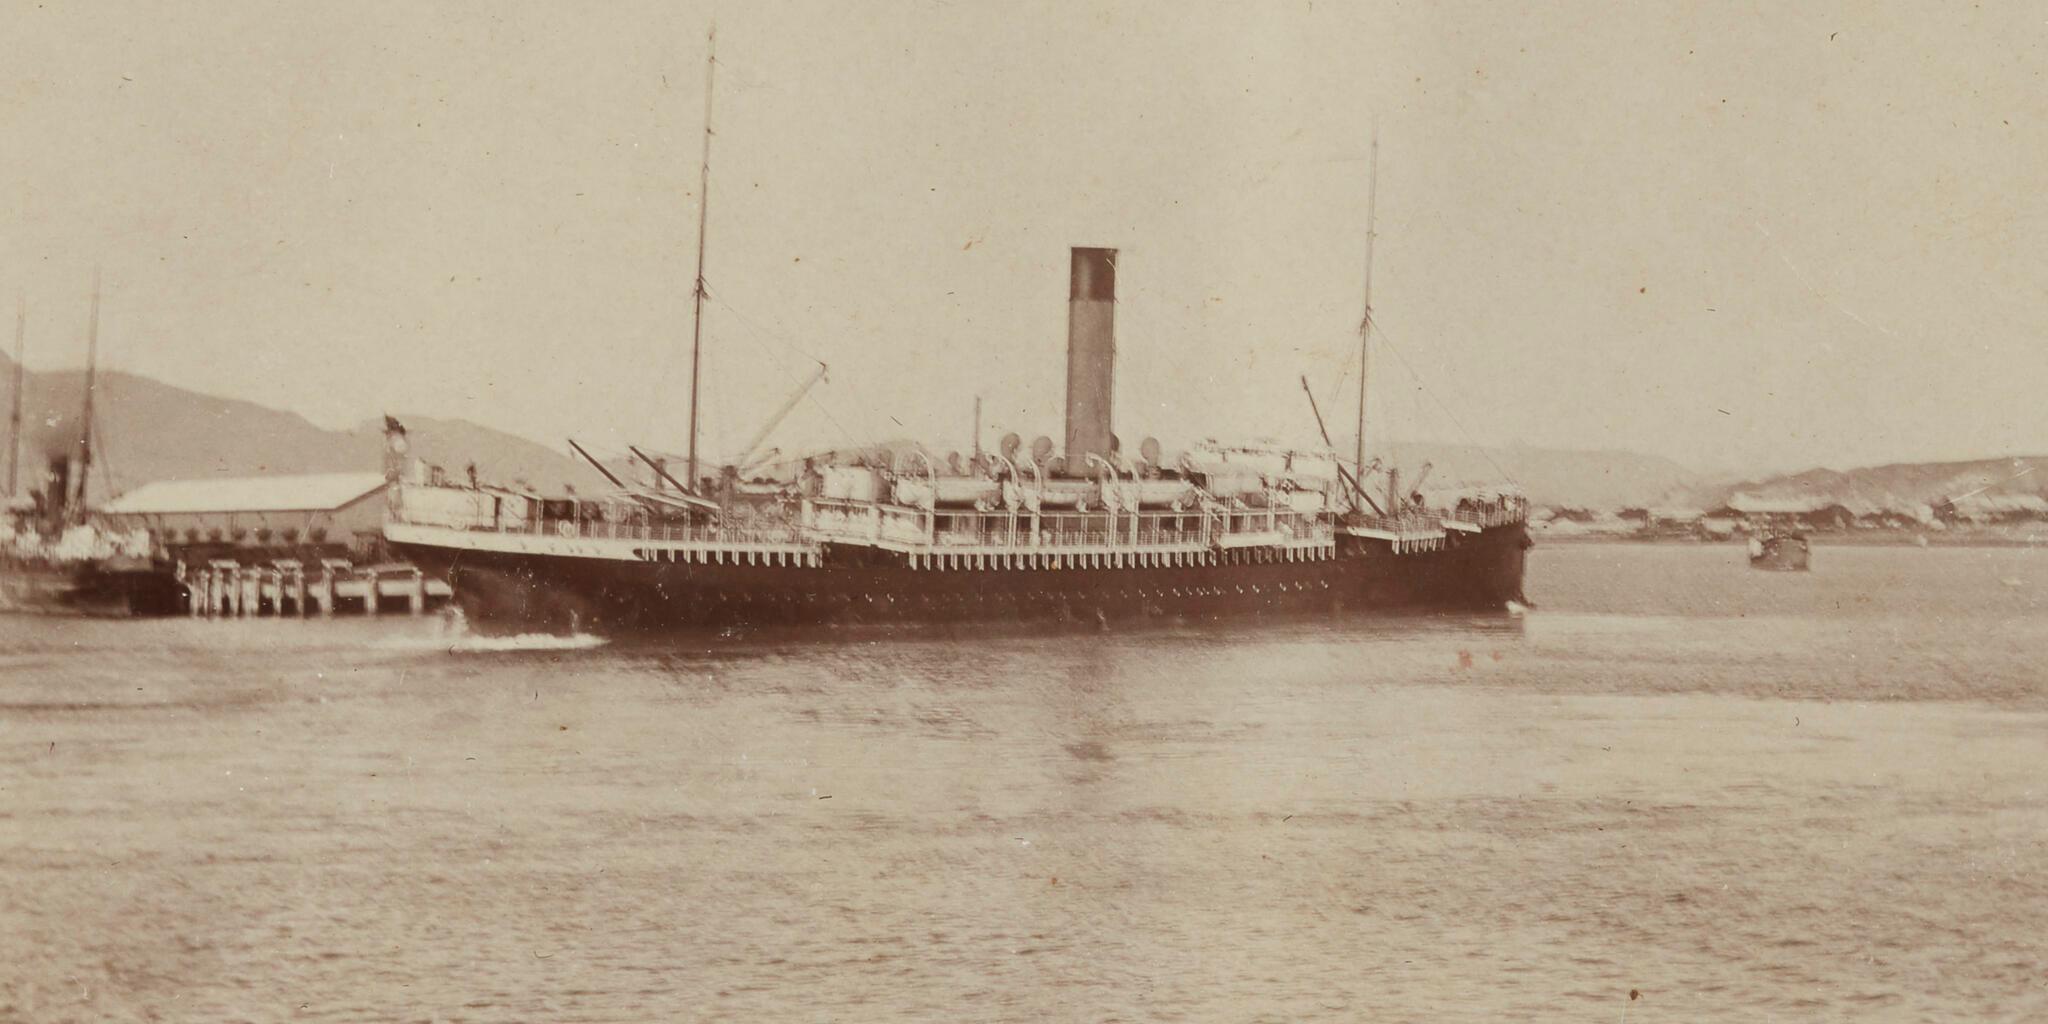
308	493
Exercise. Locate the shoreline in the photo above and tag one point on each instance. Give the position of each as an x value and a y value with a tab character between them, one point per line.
1860	539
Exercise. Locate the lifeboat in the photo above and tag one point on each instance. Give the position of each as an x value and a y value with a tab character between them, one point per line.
946	491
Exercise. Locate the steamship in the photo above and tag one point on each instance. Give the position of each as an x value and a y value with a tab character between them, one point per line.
1090	532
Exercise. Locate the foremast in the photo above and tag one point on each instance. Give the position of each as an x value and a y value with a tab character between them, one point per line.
703	221
92	361
1359	499
14	418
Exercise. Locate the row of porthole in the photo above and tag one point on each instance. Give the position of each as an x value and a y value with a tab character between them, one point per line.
1064	596
1114	559
783	559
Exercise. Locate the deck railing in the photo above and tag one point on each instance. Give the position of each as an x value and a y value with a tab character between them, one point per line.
632	529
866	522
1490	516
902	526
1024	530
1287	523
1411	522
1433	520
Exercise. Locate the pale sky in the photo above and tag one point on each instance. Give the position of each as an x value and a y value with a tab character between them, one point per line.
1766	236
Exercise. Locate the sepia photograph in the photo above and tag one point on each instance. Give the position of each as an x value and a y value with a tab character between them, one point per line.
1062	510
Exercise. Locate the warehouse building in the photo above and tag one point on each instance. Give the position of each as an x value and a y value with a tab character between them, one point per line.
341	512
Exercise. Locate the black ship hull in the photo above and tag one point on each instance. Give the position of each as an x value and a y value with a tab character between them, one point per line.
850	585
89	589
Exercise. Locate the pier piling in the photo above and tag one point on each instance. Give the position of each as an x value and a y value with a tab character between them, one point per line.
228	589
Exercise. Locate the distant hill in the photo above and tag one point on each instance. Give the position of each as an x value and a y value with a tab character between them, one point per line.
149	430
1898	485
154	431
1549	476
499	457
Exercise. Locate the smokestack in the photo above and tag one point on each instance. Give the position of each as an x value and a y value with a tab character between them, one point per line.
1091	356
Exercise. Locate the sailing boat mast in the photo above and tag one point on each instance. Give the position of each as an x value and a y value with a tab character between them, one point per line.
1365	322
92	357
703	216
14	419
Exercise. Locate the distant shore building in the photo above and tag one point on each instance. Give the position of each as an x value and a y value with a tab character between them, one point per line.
1986	509
1750	506
337	511
1894	517
1804	513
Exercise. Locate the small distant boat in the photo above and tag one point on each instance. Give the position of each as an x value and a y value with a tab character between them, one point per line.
1779	552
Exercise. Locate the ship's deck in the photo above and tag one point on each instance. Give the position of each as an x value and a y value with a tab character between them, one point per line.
950	538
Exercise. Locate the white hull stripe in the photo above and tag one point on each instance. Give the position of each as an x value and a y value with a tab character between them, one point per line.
621	550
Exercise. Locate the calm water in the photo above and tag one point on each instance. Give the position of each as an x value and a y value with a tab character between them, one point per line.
1745	796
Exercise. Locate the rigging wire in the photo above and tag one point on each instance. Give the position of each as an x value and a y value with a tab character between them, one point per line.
1388	343
766	332
1337	385
763	334
1196	322
106	467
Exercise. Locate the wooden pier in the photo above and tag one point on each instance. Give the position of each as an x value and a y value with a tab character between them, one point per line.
228	589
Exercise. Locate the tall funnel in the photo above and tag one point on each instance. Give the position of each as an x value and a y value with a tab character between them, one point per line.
1091	356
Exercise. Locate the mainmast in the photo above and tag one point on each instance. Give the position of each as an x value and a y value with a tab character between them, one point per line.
703	215
92	357
14	420
1365	322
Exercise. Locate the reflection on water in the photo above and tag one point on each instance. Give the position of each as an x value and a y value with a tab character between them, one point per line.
1744	795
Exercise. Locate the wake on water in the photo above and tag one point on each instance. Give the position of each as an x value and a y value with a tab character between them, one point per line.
526	642
466	641
455	636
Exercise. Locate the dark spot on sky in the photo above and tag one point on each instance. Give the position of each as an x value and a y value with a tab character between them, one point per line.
1089	751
